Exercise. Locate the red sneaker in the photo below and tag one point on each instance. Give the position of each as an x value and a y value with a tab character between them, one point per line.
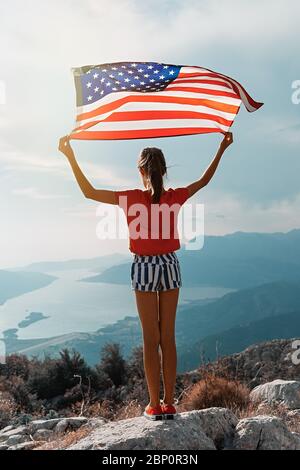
153	412
168	411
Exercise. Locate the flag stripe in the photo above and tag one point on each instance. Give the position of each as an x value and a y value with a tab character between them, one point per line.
201	90
250	104
155	115
156	123
209	82
142	133
149	106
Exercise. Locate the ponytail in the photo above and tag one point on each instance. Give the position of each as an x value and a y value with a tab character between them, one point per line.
156	183
152	160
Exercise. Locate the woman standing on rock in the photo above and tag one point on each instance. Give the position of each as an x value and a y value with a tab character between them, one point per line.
155	269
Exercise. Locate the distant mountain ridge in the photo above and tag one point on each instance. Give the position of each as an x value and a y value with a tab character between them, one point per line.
13	284
96	264
235	261
239	338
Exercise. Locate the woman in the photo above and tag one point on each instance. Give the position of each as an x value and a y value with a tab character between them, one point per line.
155	270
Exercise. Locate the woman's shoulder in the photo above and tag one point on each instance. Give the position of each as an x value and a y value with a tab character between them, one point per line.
129	191
128	196
179	194
176	190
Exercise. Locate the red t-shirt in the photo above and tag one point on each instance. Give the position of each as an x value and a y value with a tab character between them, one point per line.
152	227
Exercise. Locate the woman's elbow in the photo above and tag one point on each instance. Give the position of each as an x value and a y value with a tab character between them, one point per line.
89	194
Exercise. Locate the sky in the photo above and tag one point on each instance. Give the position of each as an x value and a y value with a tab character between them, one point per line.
43	214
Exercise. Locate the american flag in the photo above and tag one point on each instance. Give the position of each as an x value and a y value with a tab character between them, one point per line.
134	100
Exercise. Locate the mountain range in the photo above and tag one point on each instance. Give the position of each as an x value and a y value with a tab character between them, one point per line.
13	284
236	261
232	322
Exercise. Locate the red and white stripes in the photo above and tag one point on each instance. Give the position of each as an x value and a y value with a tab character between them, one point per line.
197	101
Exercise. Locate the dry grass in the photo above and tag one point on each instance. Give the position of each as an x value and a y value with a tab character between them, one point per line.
63	442
131	410
214	391
108	410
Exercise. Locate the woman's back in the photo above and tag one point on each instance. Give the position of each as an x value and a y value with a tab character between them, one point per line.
152	227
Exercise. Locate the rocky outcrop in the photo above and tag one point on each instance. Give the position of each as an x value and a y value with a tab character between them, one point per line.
214	428
37	432
219	424
195	430
265	433
283	392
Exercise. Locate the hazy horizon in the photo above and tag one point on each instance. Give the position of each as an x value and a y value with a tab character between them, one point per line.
126	251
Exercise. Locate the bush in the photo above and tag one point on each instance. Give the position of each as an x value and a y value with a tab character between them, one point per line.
16	365
213	391
113	364
135	365
53	377
18	389
37	386
7	410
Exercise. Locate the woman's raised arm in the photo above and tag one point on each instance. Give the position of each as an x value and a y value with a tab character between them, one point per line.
100	195
209	172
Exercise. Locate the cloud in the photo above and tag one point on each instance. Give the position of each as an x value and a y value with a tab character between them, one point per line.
145	28
35	193
85	211
281	129
15	161
238	214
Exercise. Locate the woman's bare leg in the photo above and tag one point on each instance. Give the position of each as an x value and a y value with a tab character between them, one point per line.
147	305
168	301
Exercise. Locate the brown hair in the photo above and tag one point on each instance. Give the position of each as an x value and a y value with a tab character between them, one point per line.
153	162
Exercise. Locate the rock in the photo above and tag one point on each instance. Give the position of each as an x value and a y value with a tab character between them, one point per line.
16	439
297	437
12	432
3	447
264	433
218	424
182	433
28	445
284	392
73	423
43	435
62	426
43	424
95	422
76	422
50	424
7	428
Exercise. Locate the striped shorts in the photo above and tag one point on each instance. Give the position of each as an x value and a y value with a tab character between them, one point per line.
155	272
